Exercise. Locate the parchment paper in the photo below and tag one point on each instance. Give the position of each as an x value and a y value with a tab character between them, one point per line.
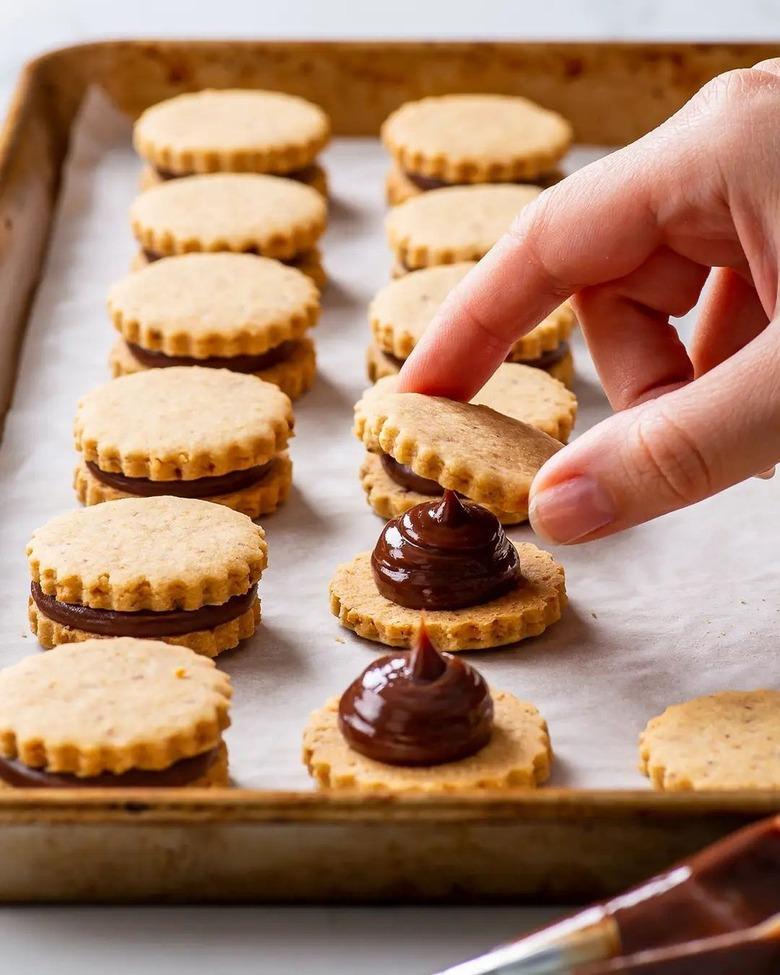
684	606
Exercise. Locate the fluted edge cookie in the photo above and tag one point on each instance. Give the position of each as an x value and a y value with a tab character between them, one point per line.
159	554
489	457
112	705
231	130
476	138
518	756
269	215
525	611
727	740
216	304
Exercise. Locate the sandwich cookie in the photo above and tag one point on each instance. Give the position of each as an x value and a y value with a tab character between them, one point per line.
453	140
514	390
451	558
186	432
426	722
239	212
403	309
117	713
401	186
233	131
221	311
729	740
458	223
425	444
179	570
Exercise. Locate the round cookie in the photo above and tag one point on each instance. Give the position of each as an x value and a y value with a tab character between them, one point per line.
213	305
294	375
180	570
728	740
476	138
114	708
526	610
186	431
265	215
458	223
231	130
486	456
518	755
401	186
401	311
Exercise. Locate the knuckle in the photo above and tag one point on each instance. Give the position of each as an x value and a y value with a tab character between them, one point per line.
666	459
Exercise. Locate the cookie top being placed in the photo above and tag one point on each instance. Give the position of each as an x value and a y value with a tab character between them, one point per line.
729	740
231	130
207	305
457	223
156	554
476	138
182	423
264	215
403	309
110	706
487	456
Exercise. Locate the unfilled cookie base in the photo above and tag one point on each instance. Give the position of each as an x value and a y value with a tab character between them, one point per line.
294	376
728	740
259	499
210	643
518	756
523	612
389	499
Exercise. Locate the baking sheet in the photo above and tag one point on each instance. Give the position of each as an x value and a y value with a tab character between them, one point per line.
684	606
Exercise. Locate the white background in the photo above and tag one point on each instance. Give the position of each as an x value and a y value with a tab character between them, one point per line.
417	941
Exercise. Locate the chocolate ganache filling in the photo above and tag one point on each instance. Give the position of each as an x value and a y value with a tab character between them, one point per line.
444	554
236	363
417	708
144	622
545	361
201	487
404	476
188	770
152	256
305	175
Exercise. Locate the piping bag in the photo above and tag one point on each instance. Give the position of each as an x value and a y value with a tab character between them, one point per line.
717	913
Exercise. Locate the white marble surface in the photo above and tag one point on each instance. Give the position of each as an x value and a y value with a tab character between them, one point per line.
318	941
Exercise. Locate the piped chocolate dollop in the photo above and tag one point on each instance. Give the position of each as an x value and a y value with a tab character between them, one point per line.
444	554
417	708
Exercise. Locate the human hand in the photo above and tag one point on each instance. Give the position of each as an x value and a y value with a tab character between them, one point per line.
633	238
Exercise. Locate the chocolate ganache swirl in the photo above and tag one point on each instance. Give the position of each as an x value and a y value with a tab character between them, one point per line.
444	554
417	708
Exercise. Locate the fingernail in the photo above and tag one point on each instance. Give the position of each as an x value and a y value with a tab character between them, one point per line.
570	510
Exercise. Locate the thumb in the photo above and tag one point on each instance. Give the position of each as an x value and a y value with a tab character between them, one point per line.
666	453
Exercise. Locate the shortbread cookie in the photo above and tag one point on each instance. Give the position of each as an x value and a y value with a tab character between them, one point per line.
314	176
189	432
179	570
401	186
231	130
401	312
729	740
116	712
242	212
487	456
534	604
458	223
475	139
518	755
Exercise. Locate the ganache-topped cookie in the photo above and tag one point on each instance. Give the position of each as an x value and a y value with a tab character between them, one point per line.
403	309
186	431
426	443
728	740
118	713
451	140
233	131
458	223
425	721
221	311
451	558
240	212
174	569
